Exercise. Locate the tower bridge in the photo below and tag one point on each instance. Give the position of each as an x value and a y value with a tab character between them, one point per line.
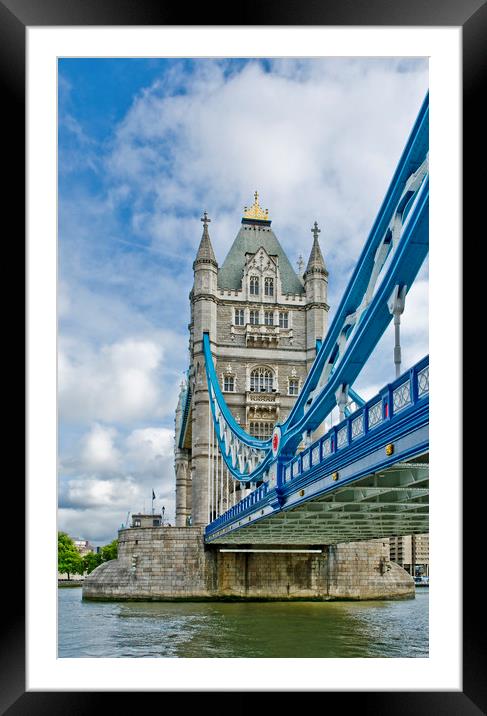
296	485
260	468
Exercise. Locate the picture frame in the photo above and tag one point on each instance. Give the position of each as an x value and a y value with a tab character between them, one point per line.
15	17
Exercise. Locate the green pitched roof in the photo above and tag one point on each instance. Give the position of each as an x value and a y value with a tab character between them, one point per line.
248	241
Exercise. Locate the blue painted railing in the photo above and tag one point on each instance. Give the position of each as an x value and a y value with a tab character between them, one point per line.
403	393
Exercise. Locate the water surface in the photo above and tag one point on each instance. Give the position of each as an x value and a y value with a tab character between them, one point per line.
242	629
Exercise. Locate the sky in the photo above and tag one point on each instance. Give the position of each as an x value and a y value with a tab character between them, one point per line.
145	146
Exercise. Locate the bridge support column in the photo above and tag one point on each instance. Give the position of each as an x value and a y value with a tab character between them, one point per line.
342	400
183	493
396	307
200	458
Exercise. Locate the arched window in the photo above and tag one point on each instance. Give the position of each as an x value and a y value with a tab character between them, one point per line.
293	386
269	286
254	317
239	317
254	285
228	384
261	380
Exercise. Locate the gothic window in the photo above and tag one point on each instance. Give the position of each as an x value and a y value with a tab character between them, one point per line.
283	319
261	429
254	317
269	318
293	386
228	384
254	285
239	317
269	286
261	380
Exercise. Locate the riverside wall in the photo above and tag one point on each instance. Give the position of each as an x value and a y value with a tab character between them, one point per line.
173	563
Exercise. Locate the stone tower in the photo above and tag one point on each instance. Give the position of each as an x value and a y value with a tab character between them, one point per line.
263	321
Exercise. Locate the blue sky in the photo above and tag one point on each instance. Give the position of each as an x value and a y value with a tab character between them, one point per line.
145	146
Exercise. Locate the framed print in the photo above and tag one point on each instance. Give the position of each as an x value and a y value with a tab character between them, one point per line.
47	48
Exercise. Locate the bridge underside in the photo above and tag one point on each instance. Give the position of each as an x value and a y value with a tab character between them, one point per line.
393	501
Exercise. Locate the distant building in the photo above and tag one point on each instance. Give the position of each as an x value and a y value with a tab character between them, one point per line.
83	546
411	552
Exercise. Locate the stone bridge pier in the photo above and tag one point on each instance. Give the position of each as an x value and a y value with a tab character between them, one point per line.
173	563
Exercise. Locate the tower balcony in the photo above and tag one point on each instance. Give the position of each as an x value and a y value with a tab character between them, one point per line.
262	405
255	397
262	335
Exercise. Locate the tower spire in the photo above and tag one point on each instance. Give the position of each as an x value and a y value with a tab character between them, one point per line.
205	251
316	262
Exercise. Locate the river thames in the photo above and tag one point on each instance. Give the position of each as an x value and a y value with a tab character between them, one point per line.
241	629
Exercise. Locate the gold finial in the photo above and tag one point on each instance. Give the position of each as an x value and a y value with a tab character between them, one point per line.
255	211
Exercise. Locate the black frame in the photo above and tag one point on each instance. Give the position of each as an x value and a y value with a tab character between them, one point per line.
471	16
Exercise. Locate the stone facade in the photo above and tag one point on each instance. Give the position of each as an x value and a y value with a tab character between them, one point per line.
263	321
170	563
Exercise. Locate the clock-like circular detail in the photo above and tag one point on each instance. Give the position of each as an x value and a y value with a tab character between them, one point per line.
276	440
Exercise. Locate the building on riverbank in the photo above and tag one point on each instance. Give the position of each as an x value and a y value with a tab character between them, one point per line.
411	552
264	320
82	545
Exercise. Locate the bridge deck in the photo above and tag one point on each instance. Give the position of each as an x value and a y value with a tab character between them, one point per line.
391	502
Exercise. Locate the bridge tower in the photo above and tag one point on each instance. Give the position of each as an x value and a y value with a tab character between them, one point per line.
204	304
316	286
263	321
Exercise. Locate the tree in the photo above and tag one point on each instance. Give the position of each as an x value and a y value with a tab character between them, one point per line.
91	561
109	551
69	560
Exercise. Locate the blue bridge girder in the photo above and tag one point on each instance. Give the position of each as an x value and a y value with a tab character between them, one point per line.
366	478
391	259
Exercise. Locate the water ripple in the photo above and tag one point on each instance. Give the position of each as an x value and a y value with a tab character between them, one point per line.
242	629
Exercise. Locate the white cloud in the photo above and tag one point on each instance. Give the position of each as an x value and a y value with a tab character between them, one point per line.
117	382
111	474
316	143
99	451
93	492
148	445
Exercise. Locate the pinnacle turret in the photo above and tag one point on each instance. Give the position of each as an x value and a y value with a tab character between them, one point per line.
205	251
316	263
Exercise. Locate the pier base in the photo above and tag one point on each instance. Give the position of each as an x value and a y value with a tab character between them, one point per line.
173	563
